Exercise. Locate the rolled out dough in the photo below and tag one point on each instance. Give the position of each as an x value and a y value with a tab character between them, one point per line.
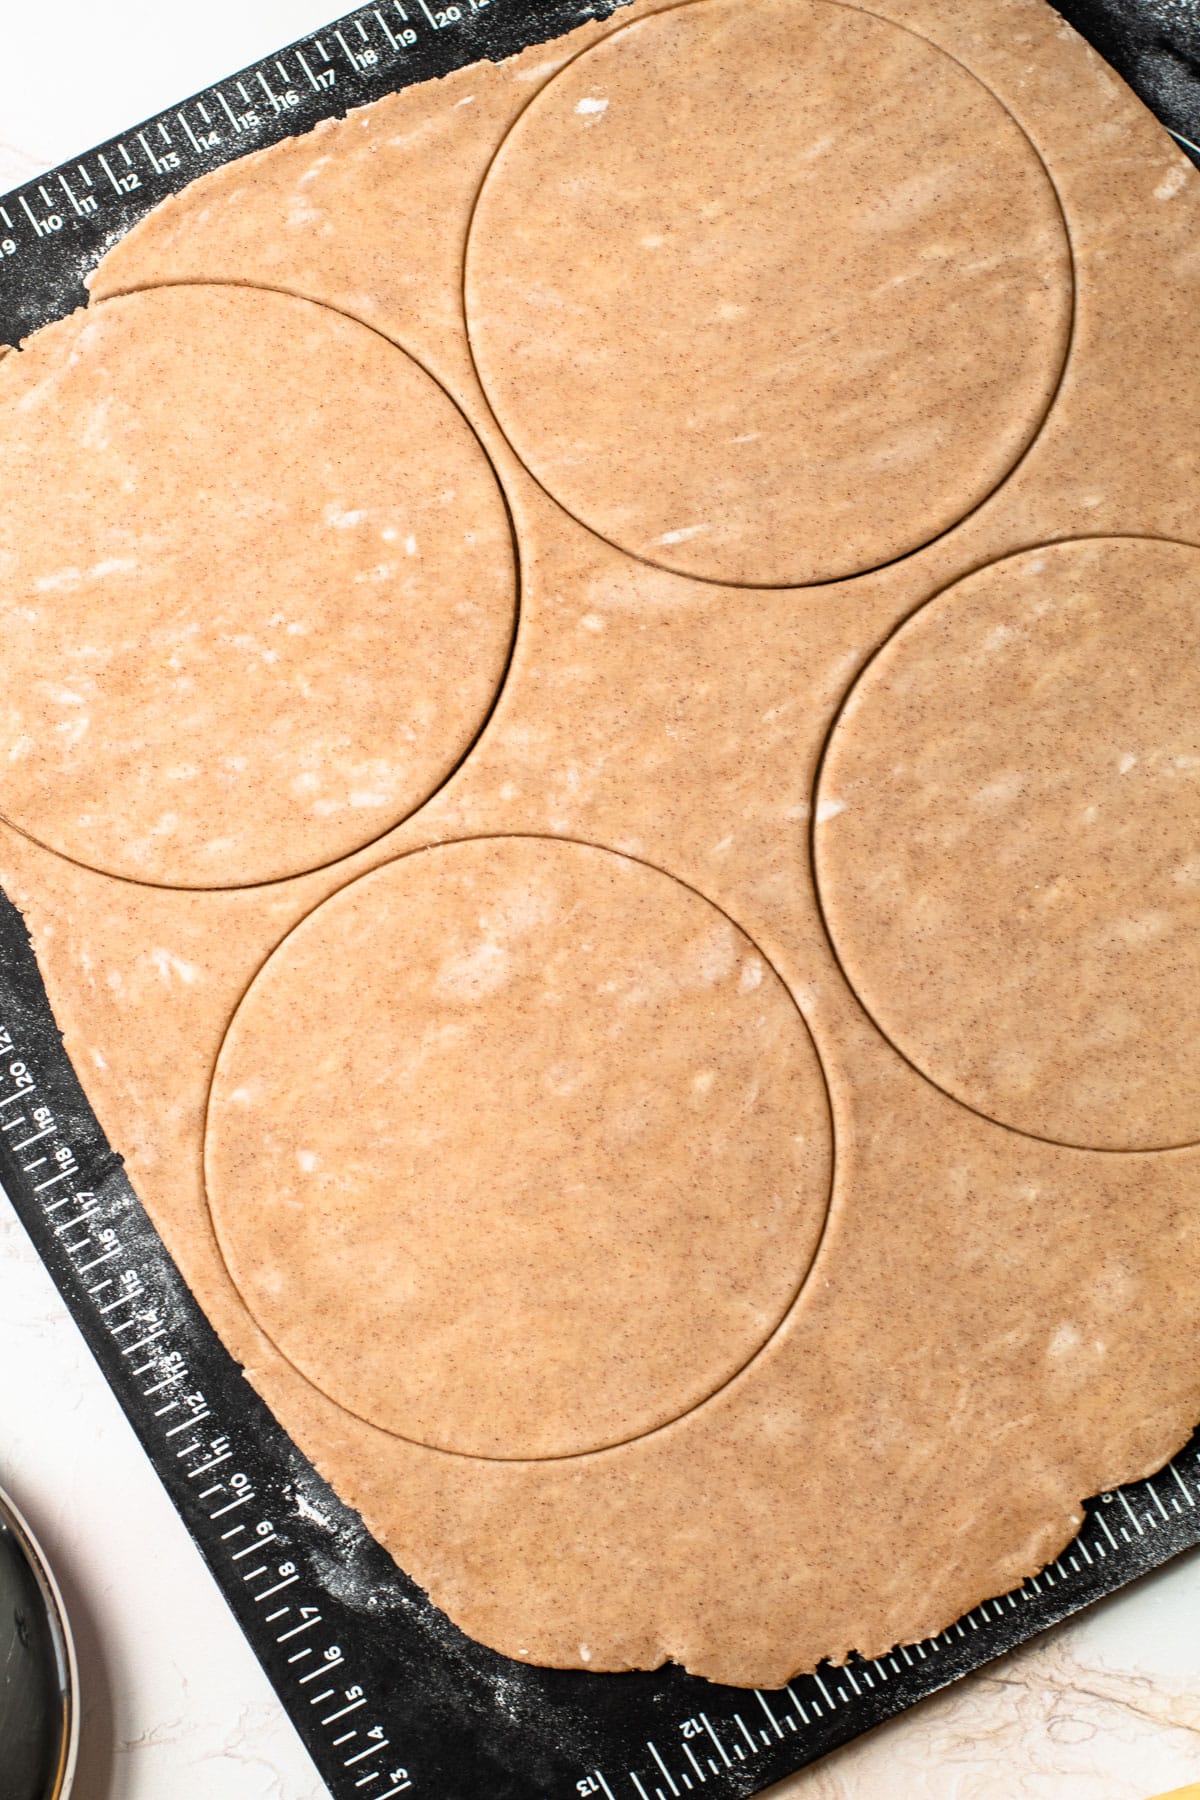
1008	841
994	1324
570	1148
259	586
768	294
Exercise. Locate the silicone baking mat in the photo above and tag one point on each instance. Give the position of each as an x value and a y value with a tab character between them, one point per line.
389	1697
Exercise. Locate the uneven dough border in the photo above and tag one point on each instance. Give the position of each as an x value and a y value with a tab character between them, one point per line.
638	1601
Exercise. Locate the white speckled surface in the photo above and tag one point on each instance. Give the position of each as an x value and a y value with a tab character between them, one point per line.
1107	1708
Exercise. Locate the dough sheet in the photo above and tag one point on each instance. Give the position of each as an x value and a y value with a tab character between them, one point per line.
573	1084
686	1111
1036	721
222	673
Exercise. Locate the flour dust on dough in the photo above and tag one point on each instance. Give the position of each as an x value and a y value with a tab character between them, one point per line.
1007	843
768	294
258	593
518	1148
994	1324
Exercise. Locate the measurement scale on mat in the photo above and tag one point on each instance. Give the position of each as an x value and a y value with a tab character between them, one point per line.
390	1698
387	1696
55	229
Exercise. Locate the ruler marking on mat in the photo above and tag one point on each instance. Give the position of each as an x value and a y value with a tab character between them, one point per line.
146	1306
46	255
236	1479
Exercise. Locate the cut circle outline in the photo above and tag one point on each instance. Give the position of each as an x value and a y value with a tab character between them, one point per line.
744	1369
1035	429
1182	1146
502	679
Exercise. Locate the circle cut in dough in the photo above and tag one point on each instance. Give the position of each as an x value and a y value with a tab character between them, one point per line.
257	586
1007	843
518	1148
768	295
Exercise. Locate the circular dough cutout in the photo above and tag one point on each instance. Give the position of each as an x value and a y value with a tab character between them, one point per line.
518	1148
257	586
1007	842
768	295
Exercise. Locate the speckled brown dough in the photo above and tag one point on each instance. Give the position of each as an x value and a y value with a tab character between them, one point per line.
995	1324
768	294
278	599
1008	841
551	1121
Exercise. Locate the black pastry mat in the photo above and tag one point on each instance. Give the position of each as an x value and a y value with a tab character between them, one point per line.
389	1697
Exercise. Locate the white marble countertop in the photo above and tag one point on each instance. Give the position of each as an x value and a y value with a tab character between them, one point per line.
1106	1707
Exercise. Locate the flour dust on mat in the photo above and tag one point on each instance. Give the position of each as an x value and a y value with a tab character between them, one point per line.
1039	721
652	1290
